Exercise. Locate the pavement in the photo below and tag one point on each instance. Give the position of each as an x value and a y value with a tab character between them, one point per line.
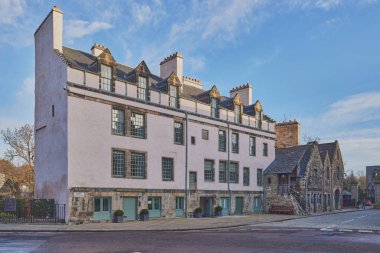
163	224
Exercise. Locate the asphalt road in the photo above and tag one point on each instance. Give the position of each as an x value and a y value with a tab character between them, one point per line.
203	241
361	220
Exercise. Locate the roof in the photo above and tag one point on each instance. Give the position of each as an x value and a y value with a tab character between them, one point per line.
88	62
327	148
288	159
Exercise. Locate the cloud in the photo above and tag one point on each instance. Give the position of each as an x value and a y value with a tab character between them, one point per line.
74	29
11	10
195	63
327	4
257	62
354	121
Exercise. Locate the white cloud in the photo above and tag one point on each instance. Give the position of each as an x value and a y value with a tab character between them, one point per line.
10	10
257	62
195	63
74	29
327	4
353	121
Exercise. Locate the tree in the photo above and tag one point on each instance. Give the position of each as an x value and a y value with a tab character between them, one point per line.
20	142
308	138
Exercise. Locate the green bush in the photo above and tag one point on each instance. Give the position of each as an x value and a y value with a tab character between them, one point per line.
198	210
144	212
7	215
218	209
118	213
43	208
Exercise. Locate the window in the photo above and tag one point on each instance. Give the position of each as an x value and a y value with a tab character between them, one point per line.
315	176
269	180
193	140
209	170
260	177
118	119
252	146
204	134
235	143
222	171
179	203
245	176
222	141
178	133
337	173
142	88
214	108
238	114
258	119
167	169
137	165
105	77
137	125
102	204
265	149
118	163
234	172
173	96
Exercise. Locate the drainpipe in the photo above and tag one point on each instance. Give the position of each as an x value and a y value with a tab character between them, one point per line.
306	199
186	164
228	169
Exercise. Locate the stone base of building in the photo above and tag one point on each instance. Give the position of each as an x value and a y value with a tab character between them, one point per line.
99	204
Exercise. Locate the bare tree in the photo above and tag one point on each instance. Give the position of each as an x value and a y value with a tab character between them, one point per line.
20	142
309	138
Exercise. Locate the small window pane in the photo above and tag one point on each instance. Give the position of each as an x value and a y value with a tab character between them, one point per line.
235	143
252	146
204	134
137	125
209	170
137	165
222	141
105	77
222	171
173	96
246	176
106	204
265	149
118	163
214	108
167	169
178	133
97	205
142	89
259	177
234	170
118	122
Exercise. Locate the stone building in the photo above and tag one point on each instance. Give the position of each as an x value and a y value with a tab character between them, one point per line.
110	136
373	182
303	178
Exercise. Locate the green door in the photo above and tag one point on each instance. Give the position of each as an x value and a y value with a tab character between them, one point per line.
130	208
154	207
179	206
224	203
102	208
239	205
257	204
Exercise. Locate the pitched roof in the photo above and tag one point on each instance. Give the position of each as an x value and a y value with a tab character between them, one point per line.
327	148
287	159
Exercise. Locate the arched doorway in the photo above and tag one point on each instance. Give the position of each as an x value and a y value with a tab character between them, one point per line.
337	198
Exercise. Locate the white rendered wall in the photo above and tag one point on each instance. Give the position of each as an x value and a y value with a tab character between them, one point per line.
51	132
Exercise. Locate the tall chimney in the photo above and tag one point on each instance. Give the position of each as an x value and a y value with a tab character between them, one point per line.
287	134
50	30
245	92
172	63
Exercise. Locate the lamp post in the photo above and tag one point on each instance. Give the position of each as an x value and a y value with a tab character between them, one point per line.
306	198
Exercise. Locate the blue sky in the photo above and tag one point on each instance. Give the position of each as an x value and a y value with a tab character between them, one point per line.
317	61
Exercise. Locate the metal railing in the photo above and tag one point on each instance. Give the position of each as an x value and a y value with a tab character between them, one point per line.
31	211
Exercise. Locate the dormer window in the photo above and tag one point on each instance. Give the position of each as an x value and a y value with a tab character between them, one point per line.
105	77
173	96
238	114
142	88
214	108
258	116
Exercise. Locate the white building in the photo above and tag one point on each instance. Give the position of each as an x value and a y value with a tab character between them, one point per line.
110	137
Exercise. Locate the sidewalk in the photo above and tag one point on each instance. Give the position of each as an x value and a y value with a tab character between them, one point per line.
161	224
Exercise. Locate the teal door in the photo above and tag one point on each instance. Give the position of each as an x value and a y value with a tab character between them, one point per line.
208	207
179	207
257	204
154	207
102	208
239	205
130	208
224	203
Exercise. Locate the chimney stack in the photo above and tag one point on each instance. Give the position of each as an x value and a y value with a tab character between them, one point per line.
172	63
97	49
245	92
287	134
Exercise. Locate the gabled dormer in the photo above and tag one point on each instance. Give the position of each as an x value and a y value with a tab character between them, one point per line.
258	114
214	101
106	66
238	108
174	87
142	74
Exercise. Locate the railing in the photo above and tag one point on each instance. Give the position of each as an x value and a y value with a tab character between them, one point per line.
31	211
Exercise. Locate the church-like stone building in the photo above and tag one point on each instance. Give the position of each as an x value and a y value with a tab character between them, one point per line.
303	178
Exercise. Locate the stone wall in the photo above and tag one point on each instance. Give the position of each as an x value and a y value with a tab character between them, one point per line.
287	134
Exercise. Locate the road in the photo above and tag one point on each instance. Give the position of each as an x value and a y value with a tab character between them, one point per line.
301	235
363	220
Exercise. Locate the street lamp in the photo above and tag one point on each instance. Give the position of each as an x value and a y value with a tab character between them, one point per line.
306	198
